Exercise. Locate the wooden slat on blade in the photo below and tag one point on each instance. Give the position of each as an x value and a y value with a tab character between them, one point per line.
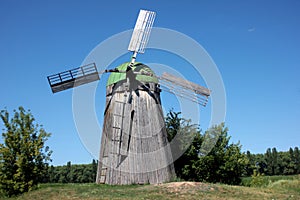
186	84
141	32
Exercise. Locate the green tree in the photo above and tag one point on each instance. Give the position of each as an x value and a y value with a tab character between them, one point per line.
188	139
287	167
65	173
257	179
23	155
260	163
297	159
52	174
173	122
73	173
271	157
234	164
276	161
251	164
69	174
225	163
269	161
94	169
191	141
292	164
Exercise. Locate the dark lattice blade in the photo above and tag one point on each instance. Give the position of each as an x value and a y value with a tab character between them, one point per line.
184	88
73	78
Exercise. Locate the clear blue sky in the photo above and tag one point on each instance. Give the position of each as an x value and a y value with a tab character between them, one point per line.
255	45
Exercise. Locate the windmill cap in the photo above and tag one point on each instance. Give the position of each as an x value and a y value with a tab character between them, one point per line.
137	67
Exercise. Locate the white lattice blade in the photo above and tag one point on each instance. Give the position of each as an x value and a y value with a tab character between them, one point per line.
141	32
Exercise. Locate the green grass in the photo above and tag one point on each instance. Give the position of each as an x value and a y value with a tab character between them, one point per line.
278	188
269	179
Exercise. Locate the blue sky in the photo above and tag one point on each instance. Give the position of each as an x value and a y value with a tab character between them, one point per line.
255	45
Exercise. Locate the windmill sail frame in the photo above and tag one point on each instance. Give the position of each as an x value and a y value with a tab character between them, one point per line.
184	88
73	78
186	84
141	31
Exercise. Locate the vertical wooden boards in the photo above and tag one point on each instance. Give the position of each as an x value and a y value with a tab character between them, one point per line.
135	134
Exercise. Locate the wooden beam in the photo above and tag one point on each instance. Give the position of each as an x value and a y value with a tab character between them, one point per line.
185	84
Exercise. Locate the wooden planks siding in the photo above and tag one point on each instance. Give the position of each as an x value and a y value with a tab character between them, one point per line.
134	147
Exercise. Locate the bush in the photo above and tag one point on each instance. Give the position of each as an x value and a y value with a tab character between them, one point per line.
258	179
23	155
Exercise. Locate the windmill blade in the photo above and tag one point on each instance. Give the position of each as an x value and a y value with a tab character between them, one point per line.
185	94
141	32
184	88
186	84
180	87
73	78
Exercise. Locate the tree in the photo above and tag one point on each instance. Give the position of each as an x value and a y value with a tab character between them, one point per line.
225	163
297	159
52	174
94	169
173	122
69	174
251	165
272	161
23	155
188	140
269	161
66	175
276	161
234	164
73	173
260	163
292	163
287	167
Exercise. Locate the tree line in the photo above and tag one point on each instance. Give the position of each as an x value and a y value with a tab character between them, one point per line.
191	167
72	173
225	162
273	162
207	157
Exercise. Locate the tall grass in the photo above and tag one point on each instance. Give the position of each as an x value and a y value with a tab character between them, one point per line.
265	181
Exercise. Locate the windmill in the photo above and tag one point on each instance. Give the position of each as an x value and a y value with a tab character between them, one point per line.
134	147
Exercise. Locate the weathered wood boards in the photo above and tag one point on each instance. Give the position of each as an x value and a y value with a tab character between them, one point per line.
134	146
186	84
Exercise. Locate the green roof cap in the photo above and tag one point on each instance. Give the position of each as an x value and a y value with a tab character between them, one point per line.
138	67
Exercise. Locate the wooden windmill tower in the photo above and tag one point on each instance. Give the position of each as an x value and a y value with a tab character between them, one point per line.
134	146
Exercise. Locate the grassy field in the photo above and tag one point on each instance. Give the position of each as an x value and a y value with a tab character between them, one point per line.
268	180
280	188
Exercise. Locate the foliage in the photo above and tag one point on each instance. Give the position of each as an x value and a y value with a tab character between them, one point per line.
261	180
23	155
79	173
185	138
274	163
224	163
258	180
